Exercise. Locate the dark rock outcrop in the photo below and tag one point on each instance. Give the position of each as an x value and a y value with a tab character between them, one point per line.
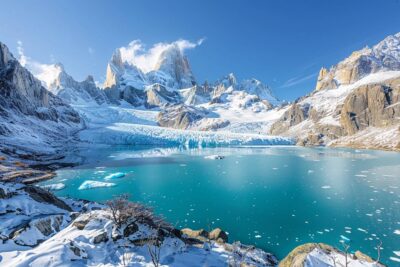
130	229
41	195
100	238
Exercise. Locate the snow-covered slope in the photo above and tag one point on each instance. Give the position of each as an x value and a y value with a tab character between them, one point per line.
32	119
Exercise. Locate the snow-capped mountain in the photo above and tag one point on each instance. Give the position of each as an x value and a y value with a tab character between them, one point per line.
74	92
356	102
384	56
174	66
172	70
31	118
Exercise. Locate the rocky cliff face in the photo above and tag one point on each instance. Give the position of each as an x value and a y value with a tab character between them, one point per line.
376	105
173	63
355	101
29	114
180	116
384	56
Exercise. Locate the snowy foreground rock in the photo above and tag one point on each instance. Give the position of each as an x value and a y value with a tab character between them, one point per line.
38	229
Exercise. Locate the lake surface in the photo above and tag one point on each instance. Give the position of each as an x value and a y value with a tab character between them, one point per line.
273	197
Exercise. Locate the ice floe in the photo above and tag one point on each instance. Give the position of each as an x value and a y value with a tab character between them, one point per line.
114	176
214	157
57	186
88	184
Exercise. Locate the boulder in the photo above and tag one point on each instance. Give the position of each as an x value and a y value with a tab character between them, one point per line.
201	235
100	238
218	235
3	194
361	256
80	224
130	229
297	257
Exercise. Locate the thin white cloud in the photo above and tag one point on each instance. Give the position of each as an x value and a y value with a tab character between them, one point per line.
91	50
146	59
46	73
298	80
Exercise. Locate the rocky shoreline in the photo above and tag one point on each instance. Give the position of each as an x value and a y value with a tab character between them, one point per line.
36	220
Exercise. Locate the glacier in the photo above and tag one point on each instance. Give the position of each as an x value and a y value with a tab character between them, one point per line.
137	134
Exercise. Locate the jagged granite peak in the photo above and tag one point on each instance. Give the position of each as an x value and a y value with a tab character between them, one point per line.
19	84
173	62
5	55
229	84
90	79
384	56
120	74
72	91
227	81
255	87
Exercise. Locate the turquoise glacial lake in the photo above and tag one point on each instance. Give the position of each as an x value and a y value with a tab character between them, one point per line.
273	197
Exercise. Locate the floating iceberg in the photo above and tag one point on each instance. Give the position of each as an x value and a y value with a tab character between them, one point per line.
114	176
57	186
214	157
93	184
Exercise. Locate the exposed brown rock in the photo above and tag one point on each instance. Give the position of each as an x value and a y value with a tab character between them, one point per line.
372	105
293	116
80	224
218	235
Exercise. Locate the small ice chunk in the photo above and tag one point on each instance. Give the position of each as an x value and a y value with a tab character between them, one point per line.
214	157
395	259
345	238
397	253
88	184
362	230
397	232
114	176
257	236
326	187
57	186
360	175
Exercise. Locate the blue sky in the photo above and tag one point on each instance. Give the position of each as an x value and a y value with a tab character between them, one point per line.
282	43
